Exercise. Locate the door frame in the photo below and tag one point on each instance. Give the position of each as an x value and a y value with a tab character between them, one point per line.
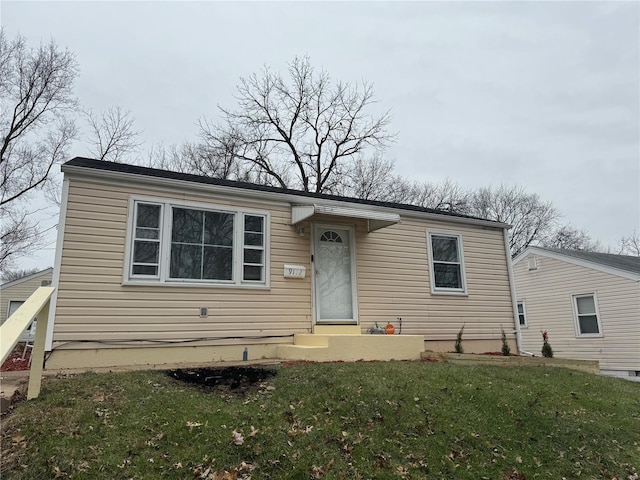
354	282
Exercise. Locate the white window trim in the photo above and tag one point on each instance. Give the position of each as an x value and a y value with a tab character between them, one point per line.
441	290
524	312
574	302
165	245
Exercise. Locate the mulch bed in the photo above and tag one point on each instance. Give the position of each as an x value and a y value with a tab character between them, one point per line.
15	362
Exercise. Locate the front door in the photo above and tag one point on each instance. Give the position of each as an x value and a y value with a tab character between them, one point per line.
334	270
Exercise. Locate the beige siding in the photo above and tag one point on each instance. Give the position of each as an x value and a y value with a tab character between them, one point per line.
93	304
21	290
547	293
392	278
393	281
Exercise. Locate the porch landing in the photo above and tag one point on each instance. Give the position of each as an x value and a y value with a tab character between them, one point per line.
326	344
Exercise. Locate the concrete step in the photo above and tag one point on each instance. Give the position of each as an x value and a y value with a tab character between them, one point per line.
323	348
337	329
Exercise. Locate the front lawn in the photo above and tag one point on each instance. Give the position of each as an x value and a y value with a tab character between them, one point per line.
340	420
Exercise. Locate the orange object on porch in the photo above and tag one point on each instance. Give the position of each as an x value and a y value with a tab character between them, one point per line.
390	329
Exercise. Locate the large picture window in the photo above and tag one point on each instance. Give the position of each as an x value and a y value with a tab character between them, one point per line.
446	263
586	311
185	244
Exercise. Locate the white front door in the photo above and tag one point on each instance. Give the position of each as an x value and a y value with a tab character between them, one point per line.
334	271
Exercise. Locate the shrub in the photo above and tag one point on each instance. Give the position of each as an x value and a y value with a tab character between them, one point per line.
458	346
506	349
547	351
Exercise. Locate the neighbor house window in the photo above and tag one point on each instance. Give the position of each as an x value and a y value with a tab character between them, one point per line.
586	312
522	319
446	262
174	243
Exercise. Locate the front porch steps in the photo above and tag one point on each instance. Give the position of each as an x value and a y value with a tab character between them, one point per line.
350	347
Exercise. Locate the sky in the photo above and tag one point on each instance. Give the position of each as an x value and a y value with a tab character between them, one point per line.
545	95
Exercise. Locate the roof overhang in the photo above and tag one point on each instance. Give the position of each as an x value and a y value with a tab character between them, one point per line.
375	220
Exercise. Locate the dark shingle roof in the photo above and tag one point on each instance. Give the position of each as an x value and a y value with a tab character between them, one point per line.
187	177
621	262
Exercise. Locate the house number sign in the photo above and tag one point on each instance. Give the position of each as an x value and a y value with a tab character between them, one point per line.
294	271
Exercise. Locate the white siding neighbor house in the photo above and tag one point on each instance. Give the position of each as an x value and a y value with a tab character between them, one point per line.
15	293
155	266
589	303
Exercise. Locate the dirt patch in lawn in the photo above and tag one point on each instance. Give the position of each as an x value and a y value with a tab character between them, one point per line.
237	379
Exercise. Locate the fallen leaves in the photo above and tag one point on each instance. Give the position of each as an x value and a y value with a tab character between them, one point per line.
193	425
241	472
237	438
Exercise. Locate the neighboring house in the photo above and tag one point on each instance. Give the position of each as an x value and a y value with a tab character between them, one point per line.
155	266
15	293
589	303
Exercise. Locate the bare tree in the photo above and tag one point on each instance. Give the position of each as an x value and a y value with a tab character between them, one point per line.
446	195
568	237
532	219
36	128
112	134
630	244
12	275
305	132
369	179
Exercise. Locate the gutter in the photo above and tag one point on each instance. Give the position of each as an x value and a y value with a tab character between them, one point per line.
512	286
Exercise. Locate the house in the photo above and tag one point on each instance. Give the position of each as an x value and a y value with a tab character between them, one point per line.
589	303
14	293
155	266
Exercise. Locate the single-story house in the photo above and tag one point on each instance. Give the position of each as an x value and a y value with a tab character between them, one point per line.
154	266
588	302
15	293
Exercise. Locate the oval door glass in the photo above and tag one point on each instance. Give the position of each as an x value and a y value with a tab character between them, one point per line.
334	287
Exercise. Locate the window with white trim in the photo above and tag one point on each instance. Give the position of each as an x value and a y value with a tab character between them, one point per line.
586	310
146	240
522	318
446	263
176	243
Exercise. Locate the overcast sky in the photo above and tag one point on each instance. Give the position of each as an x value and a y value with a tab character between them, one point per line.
545	95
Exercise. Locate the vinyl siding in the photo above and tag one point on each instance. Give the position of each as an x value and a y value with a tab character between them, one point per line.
394	281
547	293
20	291
392	267
93	304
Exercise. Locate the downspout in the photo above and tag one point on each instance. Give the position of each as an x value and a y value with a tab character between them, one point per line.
512	286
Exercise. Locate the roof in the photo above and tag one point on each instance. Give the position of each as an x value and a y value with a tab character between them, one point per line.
618	263
46	271
136	170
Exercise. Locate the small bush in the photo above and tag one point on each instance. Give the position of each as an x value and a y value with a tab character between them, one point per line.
458	346
506	349
547	351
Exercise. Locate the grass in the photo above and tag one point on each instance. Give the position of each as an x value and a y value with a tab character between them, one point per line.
341	420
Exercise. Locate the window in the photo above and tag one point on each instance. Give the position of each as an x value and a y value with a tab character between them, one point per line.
447	267
178	244
522	319
253	256
146	240
201	245
586	310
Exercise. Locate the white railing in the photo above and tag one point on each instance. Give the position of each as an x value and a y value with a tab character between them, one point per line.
36	307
